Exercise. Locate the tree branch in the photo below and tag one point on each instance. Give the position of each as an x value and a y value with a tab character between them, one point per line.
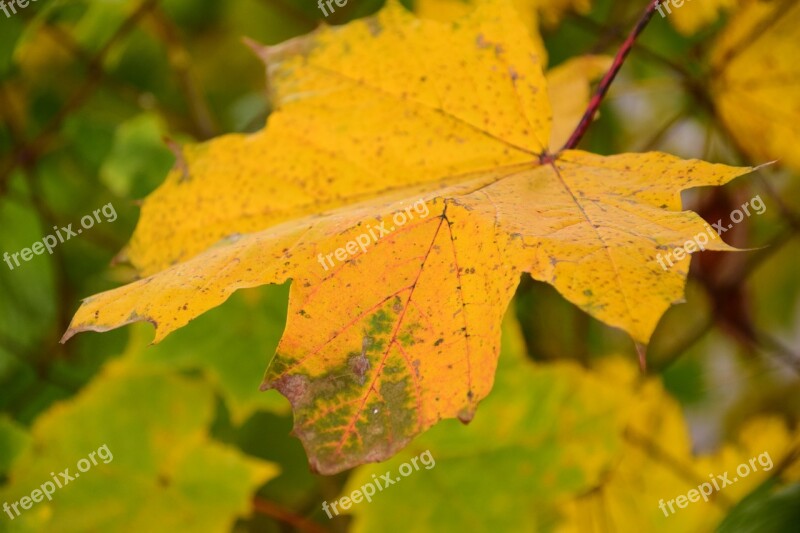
605	83
275	511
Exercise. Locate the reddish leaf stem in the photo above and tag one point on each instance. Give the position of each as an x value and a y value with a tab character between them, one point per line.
275	511
605	83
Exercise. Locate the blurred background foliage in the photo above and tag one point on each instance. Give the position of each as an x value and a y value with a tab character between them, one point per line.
571	438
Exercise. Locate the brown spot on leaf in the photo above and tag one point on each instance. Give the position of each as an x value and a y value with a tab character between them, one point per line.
294	387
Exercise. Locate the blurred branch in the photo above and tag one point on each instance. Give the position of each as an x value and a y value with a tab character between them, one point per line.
60	268
786	211
275	511
682	346
292	12
662	132
787	462
757	257
180	59
608	79
654	450
785	354
619	36
29	151
136	96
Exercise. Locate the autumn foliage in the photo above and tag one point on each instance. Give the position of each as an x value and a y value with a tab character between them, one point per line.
455	107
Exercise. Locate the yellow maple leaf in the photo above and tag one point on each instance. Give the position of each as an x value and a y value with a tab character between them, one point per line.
403	183
754	80
551	11
451	10
568	84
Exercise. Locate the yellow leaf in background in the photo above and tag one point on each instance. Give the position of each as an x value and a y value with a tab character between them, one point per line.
159	469
547	433
569	88
695	14
559	447
554	10
657	465
403	199
754	80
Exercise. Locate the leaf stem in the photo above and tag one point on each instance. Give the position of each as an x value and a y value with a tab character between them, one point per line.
276	512
605	83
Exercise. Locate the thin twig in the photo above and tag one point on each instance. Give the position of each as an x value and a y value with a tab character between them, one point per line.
179	58
275	511
40	144
677	465
605	83
291	11
649	53
662	132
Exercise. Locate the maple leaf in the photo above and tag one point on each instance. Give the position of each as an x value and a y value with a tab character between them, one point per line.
529	11
442	127
754	80
452	10
160	459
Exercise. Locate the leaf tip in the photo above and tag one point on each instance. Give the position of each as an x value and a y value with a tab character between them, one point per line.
466	415
641	350
764	165
295	387
259	49
67	336
121	258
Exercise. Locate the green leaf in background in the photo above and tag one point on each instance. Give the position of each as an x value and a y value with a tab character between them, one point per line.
27	295
100	20
139	158
165	473
765	511
565	449
544	434
12	29
27	289
231	345
13	440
